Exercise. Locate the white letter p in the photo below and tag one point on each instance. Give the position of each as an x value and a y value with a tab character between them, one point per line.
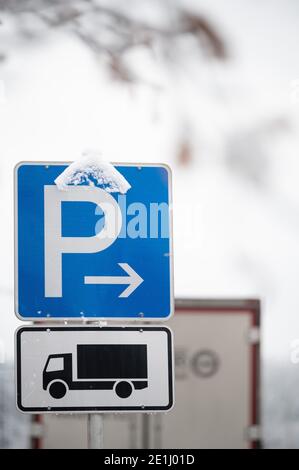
56	245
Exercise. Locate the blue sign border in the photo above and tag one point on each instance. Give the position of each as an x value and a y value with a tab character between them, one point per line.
95	317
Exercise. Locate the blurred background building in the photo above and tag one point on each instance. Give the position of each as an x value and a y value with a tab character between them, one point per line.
210	87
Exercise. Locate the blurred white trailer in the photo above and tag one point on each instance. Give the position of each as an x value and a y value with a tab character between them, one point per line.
217	377
217	367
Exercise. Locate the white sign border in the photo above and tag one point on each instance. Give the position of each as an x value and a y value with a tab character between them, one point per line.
71	410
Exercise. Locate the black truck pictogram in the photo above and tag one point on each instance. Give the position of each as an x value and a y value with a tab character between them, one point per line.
118	367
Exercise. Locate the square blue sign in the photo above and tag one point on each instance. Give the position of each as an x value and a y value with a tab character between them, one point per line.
87	253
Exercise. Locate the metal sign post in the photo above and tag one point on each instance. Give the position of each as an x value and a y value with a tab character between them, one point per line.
95	429
95	423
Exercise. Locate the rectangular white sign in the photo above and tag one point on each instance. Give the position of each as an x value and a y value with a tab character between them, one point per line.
104	369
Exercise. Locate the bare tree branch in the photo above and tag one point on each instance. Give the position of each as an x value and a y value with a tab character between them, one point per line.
112	32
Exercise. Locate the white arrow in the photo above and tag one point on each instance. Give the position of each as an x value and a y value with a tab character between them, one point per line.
134	280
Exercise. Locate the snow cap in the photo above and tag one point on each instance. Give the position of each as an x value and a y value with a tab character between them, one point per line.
91	168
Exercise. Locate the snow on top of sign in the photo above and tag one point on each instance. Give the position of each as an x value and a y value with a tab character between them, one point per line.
92	169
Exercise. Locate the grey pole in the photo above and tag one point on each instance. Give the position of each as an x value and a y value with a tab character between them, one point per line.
95	431
146	431
95	424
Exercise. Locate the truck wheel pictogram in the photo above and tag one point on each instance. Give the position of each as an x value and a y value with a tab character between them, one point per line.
57	389
123	389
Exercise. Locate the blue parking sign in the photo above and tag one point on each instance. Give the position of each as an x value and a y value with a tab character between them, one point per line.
86	253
